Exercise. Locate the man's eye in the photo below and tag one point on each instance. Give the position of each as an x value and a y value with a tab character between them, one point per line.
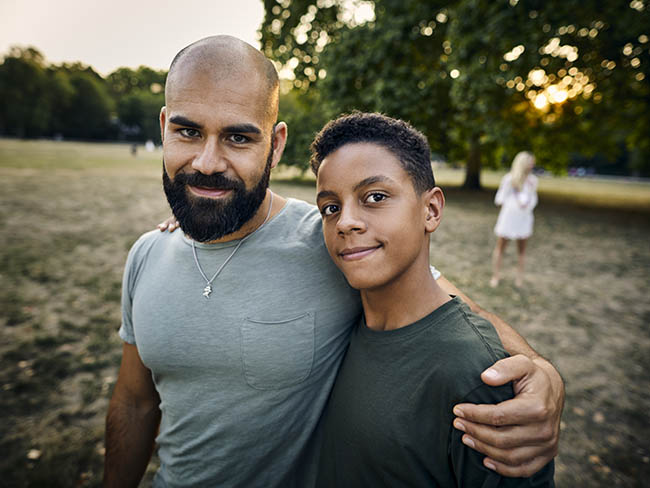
329	209
187	132
238	138
376	197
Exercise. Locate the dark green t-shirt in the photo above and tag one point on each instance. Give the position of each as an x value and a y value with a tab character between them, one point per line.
389	418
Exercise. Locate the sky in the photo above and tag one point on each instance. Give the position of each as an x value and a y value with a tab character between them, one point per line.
112	33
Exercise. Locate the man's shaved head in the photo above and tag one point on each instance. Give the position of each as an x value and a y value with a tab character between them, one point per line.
224	57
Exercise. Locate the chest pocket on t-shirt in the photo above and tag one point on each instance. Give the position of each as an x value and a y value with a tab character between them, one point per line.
279	353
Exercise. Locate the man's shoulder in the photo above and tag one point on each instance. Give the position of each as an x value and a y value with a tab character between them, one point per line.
148	241
302	211
301	221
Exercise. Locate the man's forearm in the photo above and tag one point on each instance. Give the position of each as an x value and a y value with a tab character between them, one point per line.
130	434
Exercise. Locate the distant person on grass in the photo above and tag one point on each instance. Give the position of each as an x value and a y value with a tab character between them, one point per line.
416	352
235	328
517	196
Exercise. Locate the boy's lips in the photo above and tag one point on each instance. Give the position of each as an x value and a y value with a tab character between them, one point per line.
354	253
209	192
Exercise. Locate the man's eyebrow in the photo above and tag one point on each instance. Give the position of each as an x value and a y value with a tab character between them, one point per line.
371	180
242	128
180	120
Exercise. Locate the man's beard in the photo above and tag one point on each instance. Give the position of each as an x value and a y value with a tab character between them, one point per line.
205	219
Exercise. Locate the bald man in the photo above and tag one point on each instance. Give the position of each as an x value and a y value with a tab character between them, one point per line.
235	328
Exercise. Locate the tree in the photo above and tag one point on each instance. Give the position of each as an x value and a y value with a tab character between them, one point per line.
481	78
139	95
24	104
138	113
88	115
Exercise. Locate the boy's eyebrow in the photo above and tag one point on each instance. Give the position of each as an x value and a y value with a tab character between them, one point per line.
180	120
371	180
325	193
365	182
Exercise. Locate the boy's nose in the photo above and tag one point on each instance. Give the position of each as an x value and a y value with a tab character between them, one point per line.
350	221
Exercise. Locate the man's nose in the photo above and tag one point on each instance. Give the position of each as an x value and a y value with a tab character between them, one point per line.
211	159
350	220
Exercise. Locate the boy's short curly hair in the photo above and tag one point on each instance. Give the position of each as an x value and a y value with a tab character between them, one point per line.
408	144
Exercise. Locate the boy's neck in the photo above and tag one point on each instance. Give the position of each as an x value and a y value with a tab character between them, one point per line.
409	298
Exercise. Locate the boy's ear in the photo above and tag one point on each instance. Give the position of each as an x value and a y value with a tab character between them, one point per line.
434	201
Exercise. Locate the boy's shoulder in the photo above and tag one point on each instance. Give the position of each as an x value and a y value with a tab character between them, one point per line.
466	345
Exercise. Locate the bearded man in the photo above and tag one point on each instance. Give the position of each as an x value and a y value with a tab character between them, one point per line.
235	328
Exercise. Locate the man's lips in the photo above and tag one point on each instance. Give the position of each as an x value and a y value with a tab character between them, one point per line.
209	192
355	253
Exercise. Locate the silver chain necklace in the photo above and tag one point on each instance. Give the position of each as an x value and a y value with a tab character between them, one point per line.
208	287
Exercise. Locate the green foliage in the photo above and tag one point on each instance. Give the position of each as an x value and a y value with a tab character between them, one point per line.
302	112
452	70
24	101
139	112
73	101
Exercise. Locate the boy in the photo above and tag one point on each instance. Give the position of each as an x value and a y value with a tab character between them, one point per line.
415	347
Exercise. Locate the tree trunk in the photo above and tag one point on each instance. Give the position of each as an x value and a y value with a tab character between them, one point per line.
473	170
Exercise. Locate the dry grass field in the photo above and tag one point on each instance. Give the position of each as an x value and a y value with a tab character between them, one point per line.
69	213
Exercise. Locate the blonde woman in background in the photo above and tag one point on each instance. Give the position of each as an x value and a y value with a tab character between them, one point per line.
517	196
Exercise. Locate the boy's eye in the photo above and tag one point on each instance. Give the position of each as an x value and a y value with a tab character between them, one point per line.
188	132
375	197
329	209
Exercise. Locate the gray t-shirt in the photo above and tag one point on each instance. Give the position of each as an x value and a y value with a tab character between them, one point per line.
244	375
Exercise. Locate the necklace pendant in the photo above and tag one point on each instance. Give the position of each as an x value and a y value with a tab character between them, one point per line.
207	290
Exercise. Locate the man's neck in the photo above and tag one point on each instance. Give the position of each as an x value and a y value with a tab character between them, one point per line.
407	299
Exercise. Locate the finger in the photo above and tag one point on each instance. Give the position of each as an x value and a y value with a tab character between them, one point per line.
162	226
507	437
524	470
508	369
509	457
515	411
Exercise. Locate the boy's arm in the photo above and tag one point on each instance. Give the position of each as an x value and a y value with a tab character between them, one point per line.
521	435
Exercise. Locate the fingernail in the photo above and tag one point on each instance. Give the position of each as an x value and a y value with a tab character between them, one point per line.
468	442
491	374
491	466
458	412
459	425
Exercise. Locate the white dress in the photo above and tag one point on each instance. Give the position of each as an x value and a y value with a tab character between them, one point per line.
516	216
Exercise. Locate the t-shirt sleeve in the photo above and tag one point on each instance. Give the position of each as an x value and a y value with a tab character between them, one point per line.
129	279
126	328
467	463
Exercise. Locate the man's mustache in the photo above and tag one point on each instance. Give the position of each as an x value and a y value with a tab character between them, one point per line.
216	181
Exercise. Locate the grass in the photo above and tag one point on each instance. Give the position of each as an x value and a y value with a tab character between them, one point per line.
70	211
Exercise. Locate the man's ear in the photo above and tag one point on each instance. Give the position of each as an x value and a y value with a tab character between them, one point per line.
163	118
278	142
434	201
